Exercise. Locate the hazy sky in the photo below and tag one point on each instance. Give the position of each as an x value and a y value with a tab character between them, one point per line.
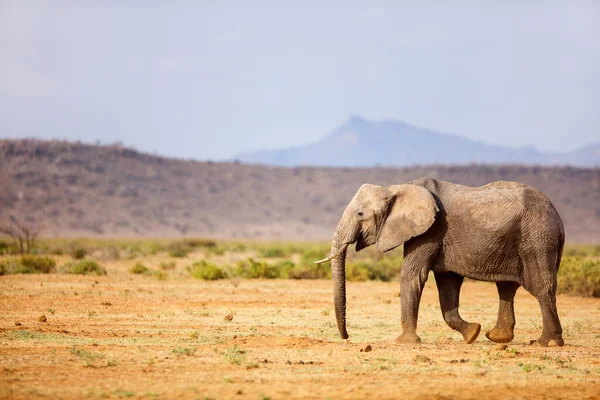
205	80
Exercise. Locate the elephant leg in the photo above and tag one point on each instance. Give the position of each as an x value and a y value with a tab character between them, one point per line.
552	330
502	332
411	288
448	284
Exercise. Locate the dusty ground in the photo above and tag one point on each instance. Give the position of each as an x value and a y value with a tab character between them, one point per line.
124	336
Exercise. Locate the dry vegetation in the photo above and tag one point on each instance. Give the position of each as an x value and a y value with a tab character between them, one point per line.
85	190
129	320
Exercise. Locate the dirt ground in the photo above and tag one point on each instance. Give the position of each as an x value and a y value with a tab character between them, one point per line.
125	336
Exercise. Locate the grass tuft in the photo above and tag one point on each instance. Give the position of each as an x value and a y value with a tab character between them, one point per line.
84	267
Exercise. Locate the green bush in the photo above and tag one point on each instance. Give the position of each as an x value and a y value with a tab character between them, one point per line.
579	276
84	267
138	268
9	265
193	243
206	271
310	271
78	253
178	253
582	250
309	256
27	264
252	269
272	252
167	265
285	268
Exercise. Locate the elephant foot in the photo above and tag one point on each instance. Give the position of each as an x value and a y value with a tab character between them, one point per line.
470	332
408	338
549	342
500	335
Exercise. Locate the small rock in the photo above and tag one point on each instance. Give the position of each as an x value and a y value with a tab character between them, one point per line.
239	392
42	318
228	317
501	346
106	303
17	323
366	349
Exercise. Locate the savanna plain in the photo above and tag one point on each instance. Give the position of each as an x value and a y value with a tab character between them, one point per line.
203	319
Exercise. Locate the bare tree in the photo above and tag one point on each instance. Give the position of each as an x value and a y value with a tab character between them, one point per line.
23	231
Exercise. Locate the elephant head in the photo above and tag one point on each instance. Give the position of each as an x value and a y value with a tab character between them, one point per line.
385	216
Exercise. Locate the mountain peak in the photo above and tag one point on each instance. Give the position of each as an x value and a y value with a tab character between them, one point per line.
362	142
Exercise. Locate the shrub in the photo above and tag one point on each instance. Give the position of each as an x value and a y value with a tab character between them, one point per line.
252	269
272	252
206	271
84	267
309	256
197	242
9	265
27	264
285	268
383	270
138	268
178	253
78	253
167	265
579	276
310	271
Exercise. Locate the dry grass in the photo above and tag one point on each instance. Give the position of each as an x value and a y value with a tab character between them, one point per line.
124	335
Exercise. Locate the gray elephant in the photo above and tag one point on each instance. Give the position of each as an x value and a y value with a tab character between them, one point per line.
504	232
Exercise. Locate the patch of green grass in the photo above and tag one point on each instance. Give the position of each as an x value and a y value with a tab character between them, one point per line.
234	355
46	337
530	367
206	271
123	393
84	267
181	351
579	276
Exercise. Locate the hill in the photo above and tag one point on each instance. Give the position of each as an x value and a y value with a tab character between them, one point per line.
87	190
361	142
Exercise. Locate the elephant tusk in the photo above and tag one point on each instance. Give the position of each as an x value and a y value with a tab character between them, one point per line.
331	257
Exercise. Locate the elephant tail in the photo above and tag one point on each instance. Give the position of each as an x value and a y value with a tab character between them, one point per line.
561	245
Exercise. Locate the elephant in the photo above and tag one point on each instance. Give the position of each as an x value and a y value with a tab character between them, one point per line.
503	232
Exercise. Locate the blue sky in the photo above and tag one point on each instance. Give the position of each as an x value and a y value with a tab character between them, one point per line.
207	80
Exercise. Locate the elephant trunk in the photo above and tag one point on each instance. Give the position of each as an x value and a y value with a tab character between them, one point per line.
338	273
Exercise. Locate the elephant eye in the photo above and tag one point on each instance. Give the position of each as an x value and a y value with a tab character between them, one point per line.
360	213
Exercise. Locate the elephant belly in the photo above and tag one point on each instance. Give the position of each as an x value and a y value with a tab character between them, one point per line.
485	264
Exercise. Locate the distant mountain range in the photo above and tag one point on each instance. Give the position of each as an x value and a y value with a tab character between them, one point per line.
361	142
89	190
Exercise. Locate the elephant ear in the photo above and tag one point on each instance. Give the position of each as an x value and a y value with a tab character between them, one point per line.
411	212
